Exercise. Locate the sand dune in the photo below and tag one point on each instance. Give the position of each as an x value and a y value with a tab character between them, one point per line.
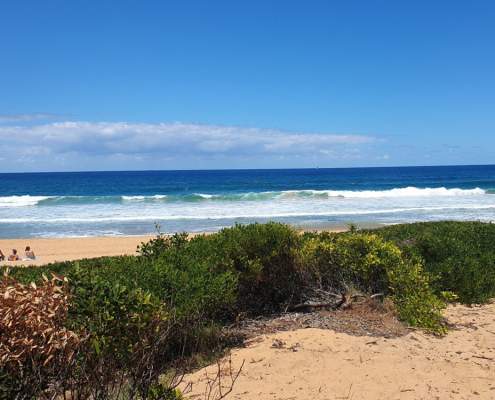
322	364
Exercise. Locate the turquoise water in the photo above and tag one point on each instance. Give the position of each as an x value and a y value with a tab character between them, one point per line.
130	203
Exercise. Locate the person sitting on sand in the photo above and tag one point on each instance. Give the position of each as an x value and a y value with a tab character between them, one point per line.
2	256
14	256
30	253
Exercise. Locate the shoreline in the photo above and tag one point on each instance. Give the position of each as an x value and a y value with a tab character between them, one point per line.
49	250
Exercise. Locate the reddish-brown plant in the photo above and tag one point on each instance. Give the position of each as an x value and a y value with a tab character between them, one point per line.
36	349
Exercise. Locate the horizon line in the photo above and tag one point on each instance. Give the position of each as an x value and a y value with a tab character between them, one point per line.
246	169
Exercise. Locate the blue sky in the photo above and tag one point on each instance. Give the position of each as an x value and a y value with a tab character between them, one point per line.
228	84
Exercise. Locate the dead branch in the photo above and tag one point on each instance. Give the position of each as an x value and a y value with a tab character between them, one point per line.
343	301
215	389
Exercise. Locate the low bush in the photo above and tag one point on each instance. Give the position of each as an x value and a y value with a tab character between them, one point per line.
246	268
27	275
459	256
127	330
186	277
372	265
265	259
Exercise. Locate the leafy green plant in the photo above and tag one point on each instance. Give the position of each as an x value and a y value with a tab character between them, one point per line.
126	329
265	258
155	247
372	265
460	256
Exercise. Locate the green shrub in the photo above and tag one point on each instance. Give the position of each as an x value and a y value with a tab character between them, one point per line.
192	286
35	274
246	268
155	247
183	276
372	265
126	328
460	256
357	259
264	257
110	312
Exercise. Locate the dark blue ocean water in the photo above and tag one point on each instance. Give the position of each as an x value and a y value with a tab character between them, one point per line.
127	203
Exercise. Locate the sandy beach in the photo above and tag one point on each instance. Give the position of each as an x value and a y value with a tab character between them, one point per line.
64	249
324	364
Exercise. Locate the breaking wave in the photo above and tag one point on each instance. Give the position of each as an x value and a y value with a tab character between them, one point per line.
407	192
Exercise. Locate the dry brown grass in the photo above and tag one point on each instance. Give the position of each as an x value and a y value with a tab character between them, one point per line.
365	318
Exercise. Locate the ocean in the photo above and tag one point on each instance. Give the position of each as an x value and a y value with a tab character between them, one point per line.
132	203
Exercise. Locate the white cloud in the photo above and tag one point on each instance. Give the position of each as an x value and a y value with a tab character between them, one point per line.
141	141
25	117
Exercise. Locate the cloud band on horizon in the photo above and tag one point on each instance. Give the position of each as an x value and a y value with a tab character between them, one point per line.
139	141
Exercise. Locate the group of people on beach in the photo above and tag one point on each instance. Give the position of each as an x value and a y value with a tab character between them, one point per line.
14	256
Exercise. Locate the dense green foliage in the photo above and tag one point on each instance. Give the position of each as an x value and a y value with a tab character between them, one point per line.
249	268
460	256
265	259
168	302
373	265
122	324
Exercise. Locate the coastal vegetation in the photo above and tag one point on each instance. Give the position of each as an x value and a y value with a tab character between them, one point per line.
128	327
458	256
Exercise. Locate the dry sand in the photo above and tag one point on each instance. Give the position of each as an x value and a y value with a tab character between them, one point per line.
50	250
309	364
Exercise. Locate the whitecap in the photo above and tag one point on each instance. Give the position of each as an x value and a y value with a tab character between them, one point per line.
21	201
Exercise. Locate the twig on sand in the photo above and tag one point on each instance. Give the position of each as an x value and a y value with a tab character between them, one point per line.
215	389
484	358
349	396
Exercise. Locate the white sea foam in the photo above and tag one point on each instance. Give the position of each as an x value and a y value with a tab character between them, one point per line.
396	192
408	192
142	198
349	194
133	198
84	234
239	214
21	201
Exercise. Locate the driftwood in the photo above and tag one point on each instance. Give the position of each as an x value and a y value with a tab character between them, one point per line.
340	301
